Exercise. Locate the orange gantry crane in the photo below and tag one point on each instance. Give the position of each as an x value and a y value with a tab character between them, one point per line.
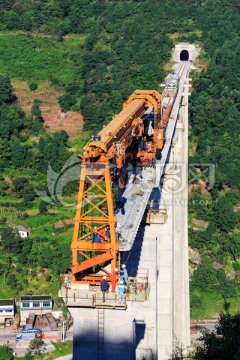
94	245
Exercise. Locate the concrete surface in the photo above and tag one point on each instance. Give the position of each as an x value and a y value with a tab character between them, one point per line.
192	50
66	357
8	336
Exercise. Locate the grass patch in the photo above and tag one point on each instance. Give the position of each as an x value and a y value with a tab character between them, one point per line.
5	292
212	304
47	57
78	144
62	349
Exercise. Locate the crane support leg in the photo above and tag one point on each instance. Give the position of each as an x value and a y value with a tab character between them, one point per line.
94	244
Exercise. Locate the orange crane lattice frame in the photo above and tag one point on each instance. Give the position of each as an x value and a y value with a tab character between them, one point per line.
95	208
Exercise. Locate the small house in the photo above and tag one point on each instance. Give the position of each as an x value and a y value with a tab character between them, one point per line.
35	304
7	311
22	231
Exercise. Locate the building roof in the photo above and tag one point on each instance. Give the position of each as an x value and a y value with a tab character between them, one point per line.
36	297
4	302
21	228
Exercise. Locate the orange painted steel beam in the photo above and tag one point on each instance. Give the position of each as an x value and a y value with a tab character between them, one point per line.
120	126
90	246
87	279
96	260
95	209
117	127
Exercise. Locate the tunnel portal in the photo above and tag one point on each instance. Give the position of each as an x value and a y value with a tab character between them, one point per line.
184	55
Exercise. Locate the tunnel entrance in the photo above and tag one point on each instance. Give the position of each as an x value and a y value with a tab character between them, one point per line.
184	55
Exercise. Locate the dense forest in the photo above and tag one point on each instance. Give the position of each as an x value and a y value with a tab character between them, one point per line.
98	52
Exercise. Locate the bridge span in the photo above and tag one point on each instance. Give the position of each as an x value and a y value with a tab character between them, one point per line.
154	246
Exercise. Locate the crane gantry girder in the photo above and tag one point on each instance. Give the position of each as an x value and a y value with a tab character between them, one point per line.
93	254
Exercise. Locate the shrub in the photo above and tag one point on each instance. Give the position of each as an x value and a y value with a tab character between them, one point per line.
42	207
33	86
66	102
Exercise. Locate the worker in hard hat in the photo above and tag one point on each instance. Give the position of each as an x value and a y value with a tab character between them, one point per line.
151	205
121	292
96	237
124	275
104	286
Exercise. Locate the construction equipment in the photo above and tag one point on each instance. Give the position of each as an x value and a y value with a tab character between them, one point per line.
135	136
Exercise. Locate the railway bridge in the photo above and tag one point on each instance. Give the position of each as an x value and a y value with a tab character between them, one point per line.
132	210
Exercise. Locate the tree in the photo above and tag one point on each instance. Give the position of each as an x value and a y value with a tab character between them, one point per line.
28	356
63	135
36	111
66	102
33	86
28	195
6	353
6	90
204	278
19	183
12	280
25	22
224	215
178	352
64	311
37	346
211	229
42	207
224	342
11	240
18	152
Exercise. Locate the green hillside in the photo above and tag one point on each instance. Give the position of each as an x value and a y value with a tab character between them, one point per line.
98	52
27	57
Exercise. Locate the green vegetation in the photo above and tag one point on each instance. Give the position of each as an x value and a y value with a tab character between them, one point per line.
99	52
33	86
5	353
66	102
214	116
61	349
37	347
222	343
32	264
216	279
36	59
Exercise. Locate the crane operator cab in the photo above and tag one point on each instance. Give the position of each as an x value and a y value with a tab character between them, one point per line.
96	138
